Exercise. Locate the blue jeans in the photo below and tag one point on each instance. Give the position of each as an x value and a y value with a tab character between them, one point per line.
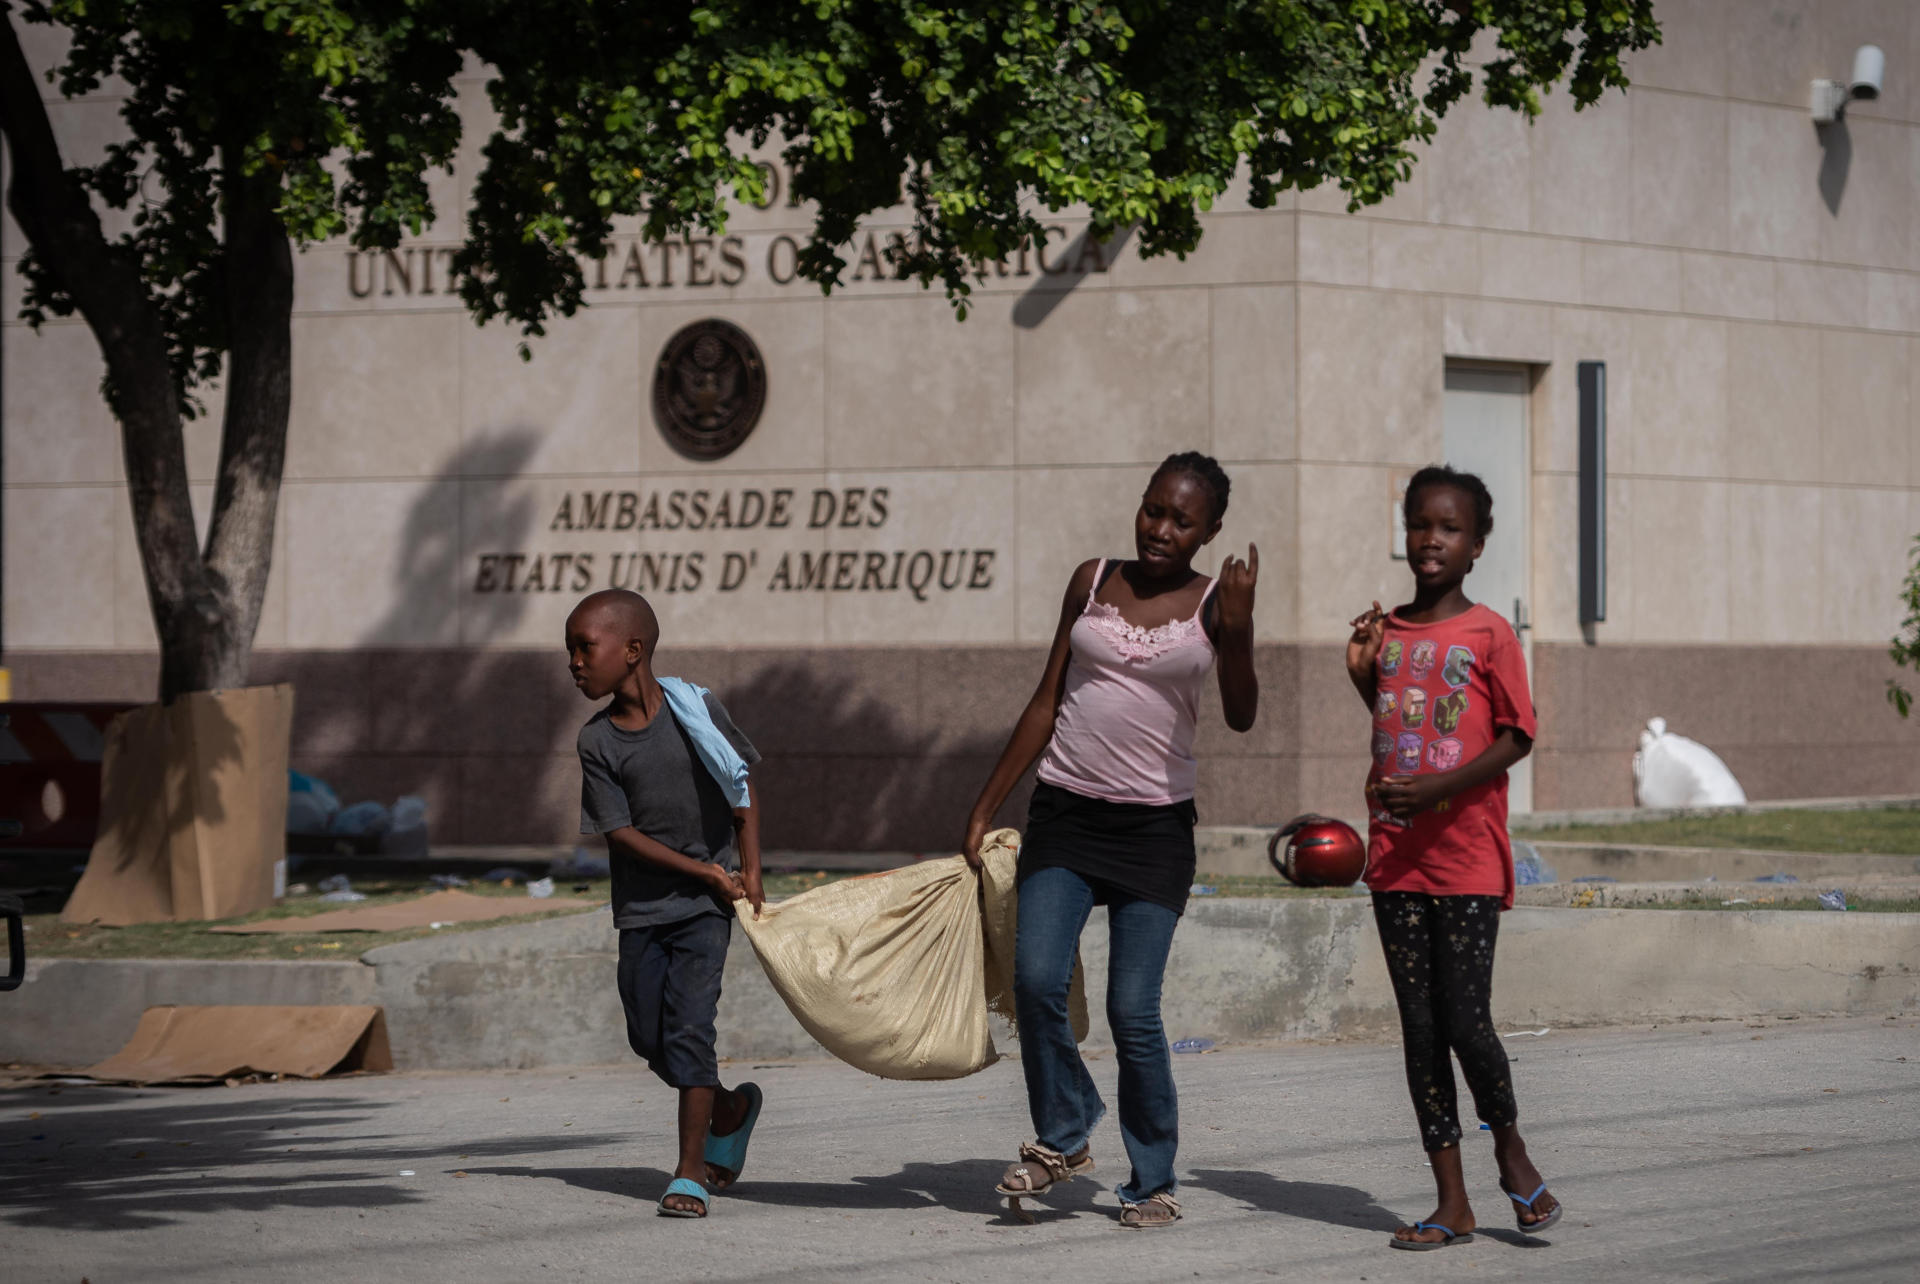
1054	905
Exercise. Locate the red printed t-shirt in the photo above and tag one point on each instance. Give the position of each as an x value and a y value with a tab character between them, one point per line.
1445	691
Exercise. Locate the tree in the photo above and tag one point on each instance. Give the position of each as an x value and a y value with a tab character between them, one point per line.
258	126
1905	648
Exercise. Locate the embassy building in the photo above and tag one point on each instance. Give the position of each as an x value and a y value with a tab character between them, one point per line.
1689	308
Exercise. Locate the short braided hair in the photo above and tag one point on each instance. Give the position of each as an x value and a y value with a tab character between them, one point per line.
1467	483
1204	469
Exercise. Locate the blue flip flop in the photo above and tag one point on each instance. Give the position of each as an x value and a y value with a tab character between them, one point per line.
729	1153
692	1190
1532	1228
1427	1245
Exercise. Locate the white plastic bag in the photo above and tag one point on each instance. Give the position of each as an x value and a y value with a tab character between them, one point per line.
1673	771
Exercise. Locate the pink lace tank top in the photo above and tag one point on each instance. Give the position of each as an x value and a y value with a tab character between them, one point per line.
1125	728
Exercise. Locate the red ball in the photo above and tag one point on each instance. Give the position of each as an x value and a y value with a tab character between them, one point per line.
1317	851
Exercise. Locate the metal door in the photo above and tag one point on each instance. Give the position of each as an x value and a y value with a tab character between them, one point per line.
1486	432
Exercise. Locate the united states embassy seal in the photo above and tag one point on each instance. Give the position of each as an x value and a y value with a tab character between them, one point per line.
708	389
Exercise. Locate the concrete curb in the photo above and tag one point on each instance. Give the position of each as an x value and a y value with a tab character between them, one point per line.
537	994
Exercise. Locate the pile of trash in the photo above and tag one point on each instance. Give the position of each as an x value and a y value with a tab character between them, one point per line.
314	810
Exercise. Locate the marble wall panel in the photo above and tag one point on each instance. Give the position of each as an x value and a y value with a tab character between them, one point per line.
1346	519
59	553
909	385
1773	402
1370	376
1872	212
1680	170
1477	168
1114	376
1246	249
1865	538
1865	417
1581	161
1681	589
58	427
1913	410
1680	385
1776	585
1490	330
1630	276
1723	285
1542	269
374	396
1264	511
1418	256
941	569
1773	186
1335	249
791	336
1692	54
1773	50
372	562
1581	334
1814	294
1893	301
1068	515
1252	358
1555	534
581	401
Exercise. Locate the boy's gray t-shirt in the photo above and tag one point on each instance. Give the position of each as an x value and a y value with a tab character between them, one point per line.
653	779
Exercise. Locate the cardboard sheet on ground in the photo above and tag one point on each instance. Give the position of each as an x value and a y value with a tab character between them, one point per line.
208	1044
193	810
425	911
896	973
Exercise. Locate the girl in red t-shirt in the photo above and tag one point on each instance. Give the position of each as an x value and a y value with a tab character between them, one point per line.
1447	685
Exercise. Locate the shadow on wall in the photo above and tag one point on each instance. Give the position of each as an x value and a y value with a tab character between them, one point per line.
844	771
411	707
1836	158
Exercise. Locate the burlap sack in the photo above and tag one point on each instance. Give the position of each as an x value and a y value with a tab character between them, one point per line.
895	973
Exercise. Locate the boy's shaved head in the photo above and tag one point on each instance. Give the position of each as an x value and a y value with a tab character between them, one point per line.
625	612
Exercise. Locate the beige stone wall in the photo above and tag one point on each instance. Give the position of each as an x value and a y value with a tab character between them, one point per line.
1760	340
1760	320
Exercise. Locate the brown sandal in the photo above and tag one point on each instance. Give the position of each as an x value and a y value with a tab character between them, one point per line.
1040	1169
1157	1209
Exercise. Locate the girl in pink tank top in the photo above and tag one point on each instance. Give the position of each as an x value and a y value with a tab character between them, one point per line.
1111	821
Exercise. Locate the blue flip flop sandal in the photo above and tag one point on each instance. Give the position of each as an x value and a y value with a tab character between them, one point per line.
690	1188
730	1152
1532	1228
1427	1245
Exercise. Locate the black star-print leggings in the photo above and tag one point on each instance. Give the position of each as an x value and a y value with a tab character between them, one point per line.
1440	956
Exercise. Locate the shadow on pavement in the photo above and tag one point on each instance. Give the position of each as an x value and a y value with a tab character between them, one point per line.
139	1166
1312	1200
964	1186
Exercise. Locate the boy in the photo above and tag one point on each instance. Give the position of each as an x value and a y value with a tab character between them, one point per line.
663	777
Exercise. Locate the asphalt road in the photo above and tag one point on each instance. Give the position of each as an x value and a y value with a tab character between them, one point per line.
1719	1151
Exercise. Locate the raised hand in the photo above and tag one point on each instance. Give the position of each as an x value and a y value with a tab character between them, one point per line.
1237	580
1363	648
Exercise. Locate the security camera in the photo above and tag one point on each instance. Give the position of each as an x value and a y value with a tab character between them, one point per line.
1869	69
1830	97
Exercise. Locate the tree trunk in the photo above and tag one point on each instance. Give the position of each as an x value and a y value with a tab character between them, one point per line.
205	608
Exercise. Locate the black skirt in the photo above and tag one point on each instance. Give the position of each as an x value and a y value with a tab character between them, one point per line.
1128	849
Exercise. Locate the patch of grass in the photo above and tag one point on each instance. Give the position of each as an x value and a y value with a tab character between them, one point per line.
1261	887
48	937
1890	830
1907	906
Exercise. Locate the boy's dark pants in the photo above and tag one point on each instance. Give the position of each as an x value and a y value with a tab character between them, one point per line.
670	986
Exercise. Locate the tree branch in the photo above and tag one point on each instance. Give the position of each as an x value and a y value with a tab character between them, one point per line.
258	284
